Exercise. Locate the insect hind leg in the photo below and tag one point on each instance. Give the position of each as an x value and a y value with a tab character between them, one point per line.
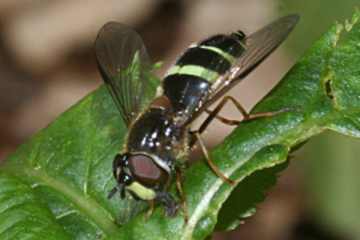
214	114
246	116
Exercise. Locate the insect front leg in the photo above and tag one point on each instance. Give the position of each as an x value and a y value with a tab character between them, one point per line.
150	210
169	203
179	178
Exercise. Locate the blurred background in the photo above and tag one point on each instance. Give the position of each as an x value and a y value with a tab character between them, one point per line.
47	64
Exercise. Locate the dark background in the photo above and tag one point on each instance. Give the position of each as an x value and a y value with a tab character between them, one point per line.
47	64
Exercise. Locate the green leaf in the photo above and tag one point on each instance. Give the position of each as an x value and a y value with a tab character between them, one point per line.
57	183
242	202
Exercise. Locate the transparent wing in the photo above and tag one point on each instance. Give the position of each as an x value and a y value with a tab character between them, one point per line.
258	46
124	64
262	43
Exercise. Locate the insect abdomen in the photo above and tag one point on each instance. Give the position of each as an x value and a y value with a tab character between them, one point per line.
211	57
187	83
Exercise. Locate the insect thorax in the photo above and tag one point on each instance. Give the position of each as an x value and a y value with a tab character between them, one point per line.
155	133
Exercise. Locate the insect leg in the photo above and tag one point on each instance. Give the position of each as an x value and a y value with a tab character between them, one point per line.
181	193
253	116
246	116
214	114
112	192
213	167
118	188
151	209
169	203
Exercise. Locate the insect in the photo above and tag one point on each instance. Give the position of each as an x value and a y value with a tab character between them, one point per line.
160	126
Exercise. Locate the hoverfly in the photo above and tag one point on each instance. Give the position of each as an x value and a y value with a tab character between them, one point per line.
160	126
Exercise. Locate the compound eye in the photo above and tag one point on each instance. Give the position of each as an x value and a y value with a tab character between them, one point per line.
145	170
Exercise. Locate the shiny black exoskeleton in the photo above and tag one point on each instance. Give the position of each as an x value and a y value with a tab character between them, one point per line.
159	126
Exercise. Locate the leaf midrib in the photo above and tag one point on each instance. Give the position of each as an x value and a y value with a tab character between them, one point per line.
310	127
85	204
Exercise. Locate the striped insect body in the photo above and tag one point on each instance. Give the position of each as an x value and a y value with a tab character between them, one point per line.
159	126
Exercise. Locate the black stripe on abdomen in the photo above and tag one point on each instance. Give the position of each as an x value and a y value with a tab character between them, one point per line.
205	58
230	44
185	92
